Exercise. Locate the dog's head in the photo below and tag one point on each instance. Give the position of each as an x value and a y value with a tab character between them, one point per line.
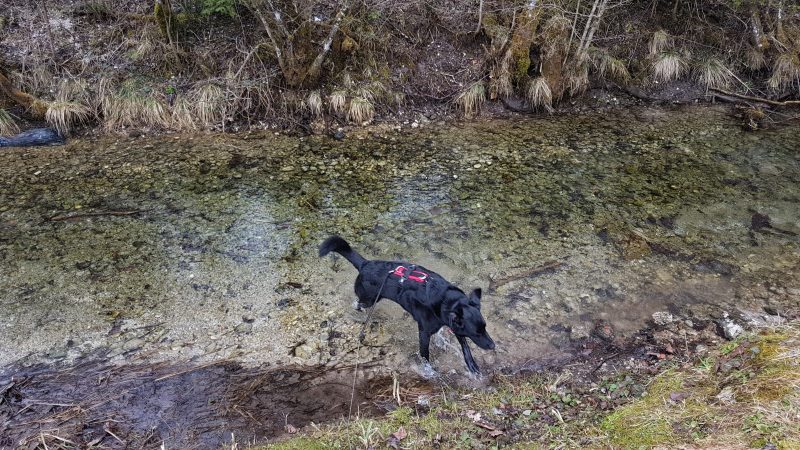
465	319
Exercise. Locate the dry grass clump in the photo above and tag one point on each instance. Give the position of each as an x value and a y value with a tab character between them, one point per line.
754	59
539	95
609	66
64	116
182	117
337	101
209	104
500	79
74	90
132	105
36	80
713	73
249	98
660	42
669	65
314	103
154	113
7	123
785	71
361	110
578	79
472	99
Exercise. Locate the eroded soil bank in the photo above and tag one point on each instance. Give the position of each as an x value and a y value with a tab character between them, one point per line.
158	255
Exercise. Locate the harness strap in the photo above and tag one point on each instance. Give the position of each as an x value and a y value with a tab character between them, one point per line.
362	333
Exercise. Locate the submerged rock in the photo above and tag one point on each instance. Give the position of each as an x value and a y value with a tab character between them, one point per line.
663	318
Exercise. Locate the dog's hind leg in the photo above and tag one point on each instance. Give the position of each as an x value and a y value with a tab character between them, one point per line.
365	300
471	364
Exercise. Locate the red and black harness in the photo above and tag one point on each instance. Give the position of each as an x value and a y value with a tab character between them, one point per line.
404	273
409	273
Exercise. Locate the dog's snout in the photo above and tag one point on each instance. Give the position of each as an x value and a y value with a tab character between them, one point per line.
491	345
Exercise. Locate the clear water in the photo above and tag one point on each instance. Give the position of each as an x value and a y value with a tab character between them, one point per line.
211	248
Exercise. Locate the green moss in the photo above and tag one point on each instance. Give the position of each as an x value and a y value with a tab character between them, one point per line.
638	424
521	41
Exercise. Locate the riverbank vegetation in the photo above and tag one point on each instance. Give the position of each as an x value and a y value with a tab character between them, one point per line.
741	394
234	64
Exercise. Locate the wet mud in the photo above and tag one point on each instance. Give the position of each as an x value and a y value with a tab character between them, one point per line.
95	404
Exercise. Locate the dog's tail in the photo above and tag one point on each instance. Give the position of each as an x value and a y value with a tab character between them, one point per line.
340	246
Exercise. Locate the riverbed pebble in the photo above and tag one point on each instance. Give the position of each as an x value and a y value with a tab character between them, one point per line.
662	318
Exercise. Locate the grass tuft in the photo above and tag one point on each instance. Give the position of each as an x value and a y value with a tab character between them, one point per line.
65	116
659	43
209	104
154	113
182	117
472	99
500	80
314	103
7	123
337	101
754	59
785	72
539	95
361	110
609	66
669	66
578	79
712	73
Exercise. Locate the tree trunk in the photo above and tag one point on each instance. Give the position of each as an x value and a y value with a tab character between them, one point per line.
312	76
35	107
295	70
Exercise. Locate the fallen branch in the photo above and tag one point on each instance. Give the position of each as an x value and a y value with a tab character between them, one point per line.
550	265
94	214
755	99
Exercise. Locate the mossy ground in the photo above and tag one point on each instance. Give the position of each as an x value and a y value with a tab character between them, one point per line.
743	395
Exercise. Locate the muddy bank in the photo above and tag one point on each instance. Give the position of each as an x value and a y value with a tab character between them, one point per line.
94	403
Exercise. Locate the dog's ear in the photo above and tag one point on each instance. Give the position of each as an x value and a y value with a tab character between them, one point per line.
455	320
475	297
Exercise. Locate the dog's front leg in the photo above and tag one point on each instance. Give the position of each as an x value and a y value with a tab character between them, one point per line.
424	344
471	364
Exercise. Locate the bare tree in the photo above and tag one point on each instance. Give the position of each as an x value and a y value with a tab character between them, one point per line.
288	31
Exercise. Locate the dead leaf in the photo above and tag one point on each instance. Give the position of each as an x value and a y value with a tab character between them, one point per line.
291	429
496	433
678	396
474	416
484	425
400	434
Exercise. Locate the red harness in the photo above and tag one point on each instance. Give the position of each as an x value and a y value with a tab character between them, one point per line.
409	273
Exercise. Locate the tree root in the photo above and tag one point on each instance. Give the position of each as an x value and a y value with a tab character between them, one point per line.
36	108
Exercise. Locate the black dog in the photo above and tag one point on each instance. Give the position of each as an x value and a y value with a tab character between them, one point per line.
429	298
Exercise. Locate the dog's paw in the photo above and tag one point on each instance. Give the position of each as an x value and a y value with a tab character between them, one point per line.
358	306
425	369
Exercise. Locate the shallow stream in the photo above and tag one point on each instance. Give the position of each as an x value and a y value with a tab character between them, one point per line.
197	249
